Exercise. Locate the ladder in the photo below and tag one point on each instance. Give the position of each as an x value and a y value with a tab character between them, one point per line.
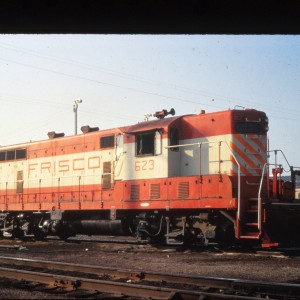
250	220
250	223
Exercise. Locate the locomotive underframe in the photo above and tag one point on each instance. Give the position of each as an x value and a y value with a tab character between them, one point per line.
170	227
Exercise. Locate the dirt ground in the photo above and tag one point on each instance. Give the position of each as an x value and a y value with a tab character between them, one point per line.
271	266
261	266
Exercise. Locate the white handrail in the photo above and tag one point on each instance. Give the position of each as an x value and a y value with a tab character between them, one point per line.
192	144
259	197
239	182
239	167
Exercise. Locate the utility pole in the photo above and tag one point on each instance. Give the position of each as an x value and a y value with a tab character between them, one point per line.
75	108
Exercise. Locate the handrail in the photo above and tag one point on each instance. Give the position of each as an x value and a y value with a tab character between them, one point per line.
192	144
199	144
259	197
239	182
275	153
239	167
26	182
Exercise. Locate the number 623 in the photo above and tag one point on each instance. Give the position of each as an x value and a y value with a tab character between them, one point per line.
144	165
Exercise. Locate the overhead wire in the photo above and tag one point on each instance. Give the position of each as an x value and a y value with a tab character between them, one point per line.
107	83
104	70
126	76
219	98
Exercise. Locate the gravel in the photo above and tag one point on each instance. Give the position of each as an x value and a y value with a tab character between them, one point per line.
261	266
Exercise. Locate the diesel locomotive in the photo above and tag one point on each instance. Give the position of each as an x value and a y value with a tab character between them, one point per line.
195	178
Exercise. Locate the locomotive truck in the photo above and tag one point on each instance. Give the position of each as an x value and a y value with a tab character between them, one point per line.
176	179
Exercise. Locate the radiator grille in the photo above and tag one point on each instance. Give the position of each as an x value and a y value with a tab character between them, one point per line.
135	192
183	190
155	191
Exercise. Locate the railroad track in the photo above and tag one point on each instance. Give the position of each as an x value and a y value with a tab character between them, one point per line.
131	283
127	240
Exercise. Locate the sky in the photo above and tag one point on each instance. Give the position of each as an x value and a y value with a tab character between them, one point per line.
120	78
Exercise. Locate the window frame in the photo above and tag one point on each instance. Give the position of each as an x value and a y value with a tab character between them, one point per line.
13	154
246	127
107	141
153	140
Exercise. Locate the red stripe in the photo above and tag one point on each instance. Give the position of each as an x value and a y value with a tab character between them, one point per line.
262	146
244	157
258	156
242	168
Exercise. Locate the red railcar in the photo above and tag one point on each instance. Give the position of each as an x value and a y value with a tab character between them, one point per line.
190	178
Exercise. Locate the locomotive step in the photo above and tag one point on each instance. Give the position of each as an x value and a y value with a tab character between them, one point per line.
252	211
253	207
250	224
252	203
252	237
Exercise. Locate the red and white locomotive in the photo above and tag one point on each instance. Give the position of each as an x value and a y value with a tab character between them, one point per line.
190	178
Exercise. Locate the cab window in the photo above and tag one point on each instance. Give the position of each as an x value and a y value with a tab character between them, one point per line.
145	144
148	143
107	141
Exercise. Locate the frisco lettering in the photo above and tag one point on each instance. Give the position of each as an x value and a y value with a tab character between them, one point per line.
65	165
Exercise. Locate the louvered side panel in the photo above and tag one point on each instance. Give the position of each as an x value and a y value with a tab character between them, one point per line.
135	192
183	190
155	191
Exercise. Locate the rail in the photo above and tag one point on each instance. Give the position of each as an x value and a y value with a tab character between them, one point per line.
74	277
71	283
